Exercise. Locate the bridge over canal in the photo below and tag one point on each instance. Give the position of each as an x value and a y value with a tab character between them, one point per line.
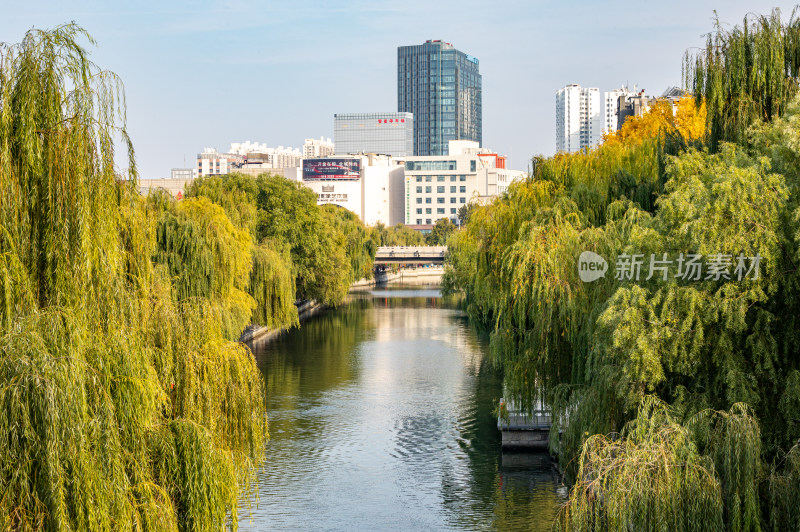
410	255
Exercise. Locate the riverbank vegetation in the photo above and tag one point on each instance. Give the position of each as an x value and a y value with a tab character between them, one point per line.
676	394
125	403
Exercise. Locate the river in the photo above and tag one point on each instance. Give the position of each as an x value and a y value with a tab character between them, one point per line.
380	417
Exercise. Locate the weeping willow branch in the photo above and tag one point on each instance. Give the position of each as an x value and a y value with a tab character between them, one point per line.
122	406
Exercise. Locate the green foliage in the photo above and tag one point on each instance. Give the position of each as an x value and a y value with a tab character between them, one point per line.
396	235
59	189
465	211
782	503
733	440
359	244
272	286
326	248
202	250
651	477
121	405
288	212
236	193
746	75
709	366
441	230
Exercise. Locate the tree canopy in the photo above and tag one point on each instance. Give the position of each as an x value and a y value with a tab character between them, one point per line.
123	405
673	378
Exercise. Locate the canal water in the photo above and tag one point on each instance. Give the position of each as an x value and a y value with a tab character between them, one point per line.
380	416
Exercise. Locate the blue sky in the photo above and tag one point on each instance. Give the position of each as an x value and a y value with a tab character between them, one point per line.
207	73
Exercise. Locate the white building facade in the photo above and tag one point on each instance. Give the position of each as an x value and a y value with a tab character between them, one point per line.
320	147
611	107
257	155
371	186
211	162
579	118
437	186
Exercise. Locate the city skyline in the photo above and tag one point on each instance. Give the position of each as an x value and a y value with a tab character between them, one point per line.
212	73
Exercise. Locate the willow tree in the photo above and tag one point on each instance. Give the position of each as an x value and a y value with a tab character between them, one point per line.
288	213
360	248
396	235
272	285
272	277
706	364
207	257
746	74
121	409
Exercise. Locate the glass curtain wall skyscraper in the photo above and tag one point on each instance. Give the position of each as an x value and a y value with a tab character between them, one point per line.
441	86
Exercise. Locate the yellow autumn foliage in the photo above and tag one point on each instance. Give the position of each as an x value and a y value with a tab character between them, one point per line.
689	121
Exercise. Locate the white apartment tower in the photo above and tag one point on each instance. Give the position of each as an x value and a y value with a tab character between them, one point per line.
579	118
611	108
317	148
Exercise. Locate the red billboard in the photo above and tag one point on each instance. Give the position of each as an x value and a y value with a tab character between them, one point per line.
330	168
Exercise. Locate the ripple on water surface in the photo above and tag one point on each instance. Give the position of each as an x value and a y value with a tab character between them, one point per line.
381	418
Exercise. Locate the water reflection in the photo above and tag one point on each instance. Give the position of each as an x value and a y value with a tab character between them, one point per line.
381	418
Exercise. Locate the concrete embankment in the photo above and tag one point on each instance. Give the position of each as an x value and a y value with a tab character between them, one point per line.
407	276
258	333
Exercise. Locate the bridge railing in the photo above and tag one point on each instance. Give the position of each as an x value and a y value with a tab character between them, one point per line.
411	252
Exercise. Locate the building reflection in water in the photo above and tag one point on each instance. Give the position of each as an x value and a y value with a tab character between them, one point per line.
381	416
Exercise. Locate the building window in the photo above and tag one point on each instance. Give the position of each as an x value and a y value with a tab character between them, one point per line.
439	200
472	166
452	210
440	190
462	189
439	211
452	190
419	211
427	221
427	200
427	190
419	200
430	165
419	221
462	178
452	178
427	179
440	178
462	200
419	179
428	210
452	200
419	190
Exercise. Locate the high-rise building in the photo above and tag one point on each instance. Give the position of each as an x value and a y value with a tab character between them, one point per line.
611	107
317	148
441	86
579	118
383	133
